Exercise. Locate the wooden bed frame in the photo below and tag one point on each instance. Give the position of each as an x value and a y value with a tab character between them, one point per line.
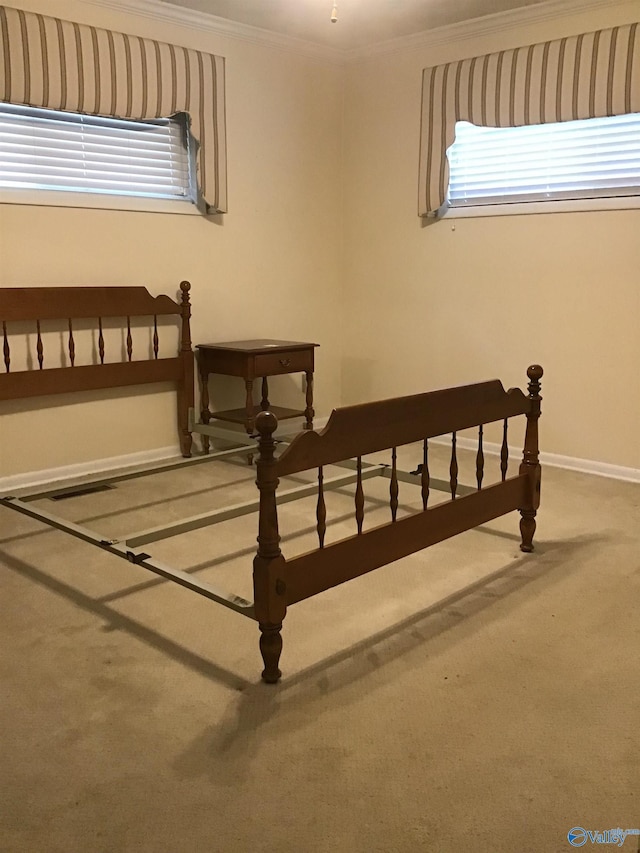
357	431
70	304
351	434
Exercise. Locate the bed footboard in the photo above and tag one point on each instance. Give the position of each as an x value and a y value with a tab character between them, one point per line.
357	431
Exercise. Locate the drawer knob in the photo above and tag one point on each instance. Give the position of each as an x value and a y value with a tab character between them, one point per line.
285	362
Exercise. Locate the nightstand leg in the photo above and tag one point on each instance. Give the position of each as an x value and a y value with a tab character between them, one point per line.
250	421
205	414
308	412
264	403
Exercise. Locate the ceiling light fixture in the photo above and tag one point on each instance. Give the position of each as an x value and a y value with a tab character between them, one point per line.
334	12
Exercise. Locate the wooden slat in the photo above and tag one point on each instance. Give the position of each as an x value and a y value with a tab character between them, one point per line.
63	380
371	427
319	570
56	303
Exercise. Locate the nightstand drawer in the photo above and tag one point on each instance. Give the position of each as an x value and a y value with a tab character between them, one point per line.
271	364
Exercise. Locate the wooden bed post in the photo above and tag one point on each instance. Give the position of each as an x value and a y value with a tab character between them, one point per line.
269	587
530	462
186	399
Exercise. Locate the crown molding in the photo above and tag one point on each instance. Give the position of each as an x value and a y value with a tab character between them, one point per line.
475	28
205	22
463	31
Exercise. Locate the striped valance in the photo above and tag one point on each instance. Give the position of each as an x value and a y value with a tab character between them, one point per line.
585	76
47	62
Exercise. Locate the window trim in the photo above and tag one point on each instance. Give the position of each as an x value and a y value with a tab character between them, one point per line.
97	201
583	205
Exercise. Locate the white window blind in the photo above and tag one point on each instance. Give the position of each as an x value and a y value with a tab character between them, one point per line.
50	150
585	159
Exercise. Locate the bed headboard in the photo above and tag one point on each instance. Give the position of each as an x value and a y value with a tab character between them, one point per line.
33	305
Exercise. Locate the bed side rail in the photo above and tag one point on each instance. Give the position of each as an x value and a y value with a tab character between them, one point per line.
357	555
367	428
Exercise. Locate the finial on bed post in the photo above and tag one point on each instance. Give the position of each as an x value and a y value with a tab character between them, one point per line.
269	587
186	389
530	462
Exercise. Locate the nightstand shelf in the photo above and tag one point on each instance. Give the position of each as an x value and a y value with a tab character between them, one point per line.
239	416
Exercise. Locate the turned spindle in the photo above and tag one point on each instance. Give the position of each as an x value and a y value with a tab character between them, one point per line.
309	410
72	345
39	346
424	478
453	467
321	510
156	340
480	458
359	497
100	340
504	451
5	348
393	487
129	340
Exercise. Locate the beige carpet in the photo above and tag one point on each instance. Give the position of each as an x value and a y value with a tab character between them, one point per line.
469	698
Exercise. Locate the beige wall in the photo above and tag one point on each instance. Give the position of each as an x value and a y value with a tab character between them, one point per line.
269	268
469	299
322	242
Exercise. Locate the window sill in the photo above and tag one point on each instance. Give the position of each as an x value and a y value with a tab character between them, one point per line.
564	206
98	201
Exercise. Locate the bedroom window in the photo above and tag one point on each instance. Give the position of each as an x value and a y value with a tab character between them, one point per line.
596	158
53	152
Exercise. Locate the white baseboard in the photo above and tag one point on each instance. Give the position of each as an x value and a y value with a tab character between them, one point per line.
53	476
591	466
556	460
84	469
160	454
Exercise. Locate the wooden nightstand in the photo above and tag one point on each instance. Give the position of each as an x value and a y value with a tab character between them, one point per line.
249	360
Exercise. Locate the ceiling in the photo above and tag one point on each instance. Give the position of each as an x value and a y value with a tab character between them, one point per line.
360	23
